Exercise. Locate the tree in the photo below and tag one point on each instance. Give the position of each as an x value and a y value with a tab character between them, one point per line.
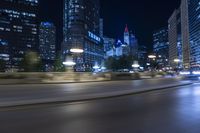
58	65
123	62
31	62
2	65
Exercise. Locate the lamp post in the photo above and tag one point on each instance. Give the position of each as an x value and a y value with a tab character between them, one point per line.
152	58
96	67
177	61
69	63
76	52
135	65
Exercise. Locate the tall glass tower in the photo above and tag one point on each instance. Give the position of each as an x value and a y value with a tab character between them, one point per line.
161	46
18	30
81	31
194	32
47	41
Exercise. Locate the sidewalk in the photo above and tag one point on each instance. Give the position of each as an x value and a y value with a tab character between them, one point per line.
23	95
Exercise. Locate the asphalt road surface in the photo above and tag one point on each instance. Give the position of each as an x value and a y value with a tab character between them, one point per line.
39	92
175	110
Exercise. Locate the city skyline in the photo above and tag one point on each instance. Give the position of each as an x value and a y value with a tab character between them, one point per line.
103	66
135	15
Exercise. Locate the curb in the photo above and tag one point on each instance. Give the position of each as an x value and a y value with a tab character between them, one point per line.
91	97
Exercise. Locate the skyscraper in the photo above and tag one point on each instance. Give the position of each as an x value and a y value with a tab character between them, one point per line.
142	56
18	30
190	32
161	46
194	32
47	44
185	33
133	45
81	31
109	47
175	40
47	41
118	48
101	27
126	36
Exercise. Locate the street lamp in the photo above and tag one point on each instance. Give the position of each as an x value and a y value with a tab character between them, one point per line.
75	53
76	50
135	65
69	61
96	67
152	57
177	61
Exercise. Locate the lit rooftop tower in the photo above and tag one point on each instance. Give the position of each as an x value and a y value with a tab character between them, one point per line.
126	36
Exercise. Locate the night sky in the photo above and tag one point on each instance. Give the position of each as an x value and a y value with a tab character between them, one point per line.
142	17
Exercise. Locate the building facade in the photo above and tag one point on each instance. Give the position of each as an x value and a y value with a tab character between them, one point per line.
18	30
142	56
118	48
101	27
161	46
133	45
47	44
81	31
188	38
126	36
194	32
109	47
185	33
175	39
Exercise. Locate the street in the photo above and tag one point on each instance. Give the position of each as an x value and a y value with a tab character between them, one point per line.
11	95
174	110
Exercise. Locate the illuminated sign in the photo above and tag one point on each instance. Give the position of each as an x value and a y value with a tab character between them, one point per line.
93	36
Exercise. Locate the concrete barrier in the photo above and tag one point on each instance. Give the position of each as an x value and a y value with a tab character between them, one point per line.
64	77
